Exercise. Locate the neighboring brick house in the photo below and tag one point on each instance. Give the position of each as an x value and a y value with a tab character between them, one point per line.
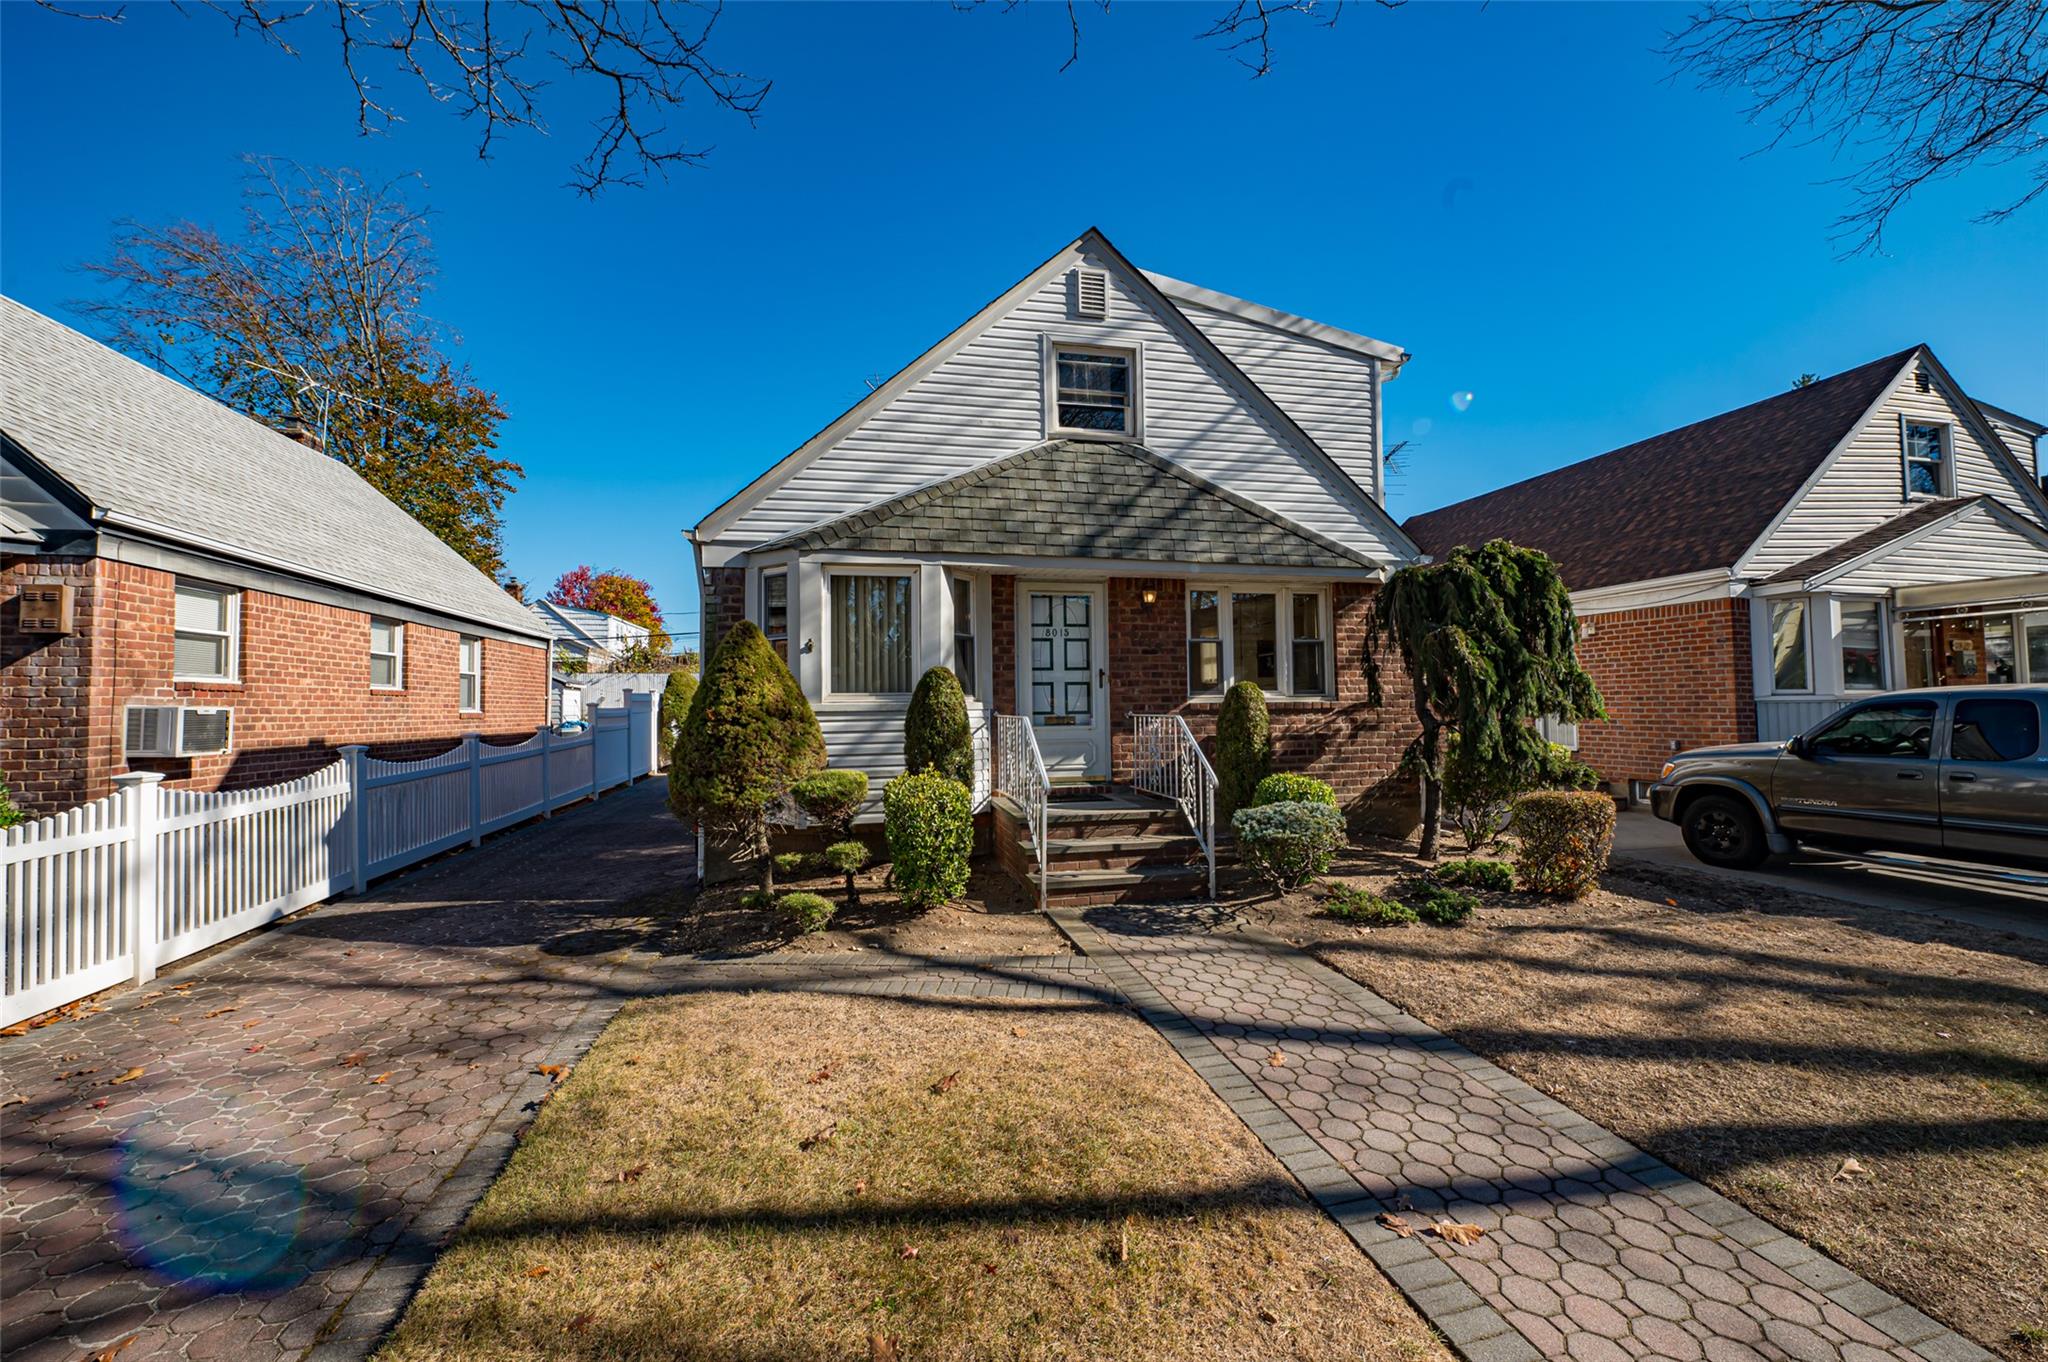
1746	576
180	580
1107	494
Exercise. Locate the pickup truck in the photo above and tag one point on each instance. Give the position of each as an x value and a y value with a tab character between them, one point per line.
1959	772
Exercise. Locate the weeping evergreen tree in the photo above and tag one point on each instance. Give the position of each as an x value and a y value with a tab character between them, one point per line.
1487	637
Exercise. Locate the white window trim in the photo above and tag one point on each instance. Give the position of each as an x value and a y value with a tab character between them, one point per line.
1948	459
462	642
1283	605
233	674
1049	378
917	627
398	655
788	604
1884	651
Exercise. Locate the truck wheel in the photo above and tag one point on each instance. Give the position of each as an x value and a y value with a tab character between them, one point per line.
1723	830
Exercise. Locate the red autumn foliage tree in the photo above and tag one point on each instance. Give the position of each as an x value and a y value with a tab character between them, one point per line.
615	593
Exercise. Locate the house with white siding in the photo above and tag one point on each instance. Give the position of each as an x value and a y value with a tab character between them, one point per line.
1101	500
1745	576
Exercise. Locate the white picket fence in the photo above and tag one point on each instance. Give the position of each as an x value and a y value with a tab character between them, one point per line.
116	889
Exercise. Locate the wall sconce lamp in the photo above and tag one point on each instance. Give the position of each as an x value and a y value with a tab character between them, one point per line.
1150	595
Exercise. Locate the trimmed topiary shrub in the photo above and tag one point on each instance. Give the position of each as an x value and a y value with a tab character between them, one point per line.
675	707
1286	787
1562	840
806	912
832	799
1244	748
792	863
757	898
1368	909
849	858
935	732
748	737
929	819
1495	875
1441	906
1288	844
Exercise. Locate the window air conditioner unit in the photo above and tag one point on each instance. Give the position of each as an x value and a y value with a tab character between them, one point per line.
177	731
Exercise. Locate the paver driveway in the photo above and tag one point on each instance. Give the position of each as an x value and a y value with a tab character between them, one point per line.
1592	1249
297	1133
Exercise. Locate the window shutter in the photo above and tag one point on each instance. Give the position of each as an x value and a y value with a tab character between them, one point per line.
1091	293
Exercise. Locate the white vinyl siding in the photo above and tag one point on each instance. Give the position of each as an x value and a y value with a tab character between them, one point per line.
1862	488
207	646
987	400
1975	548
1327	391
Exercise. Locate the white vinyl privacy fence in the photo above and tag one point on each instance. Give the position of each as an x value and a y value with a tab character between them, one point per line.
116	889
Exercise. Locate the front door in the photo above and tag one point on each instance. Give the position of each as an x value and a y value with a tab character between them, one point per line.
1868	774
1064	682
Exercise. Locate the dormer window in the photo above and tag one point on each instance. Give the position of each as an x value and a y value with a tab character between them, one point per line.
1927	459
1094	391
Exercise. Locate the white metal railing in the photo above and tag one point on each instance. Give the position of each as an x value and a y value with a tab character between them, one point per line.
1168	762
116	889
1020	774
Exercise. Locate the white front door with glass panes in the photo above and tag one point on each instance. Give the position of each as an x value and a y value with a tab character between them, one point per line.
1064	682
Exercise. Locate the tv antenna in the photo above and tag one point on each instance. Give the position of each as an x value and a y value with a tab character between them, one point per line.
322	395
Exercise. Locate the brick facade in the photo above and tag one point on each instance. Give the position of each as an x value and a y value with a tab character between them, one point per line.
304	689
724	605
1350	743
1673	677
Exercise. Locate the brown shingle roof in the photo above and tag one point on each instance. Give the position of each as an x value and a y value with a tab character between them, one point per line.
1684	501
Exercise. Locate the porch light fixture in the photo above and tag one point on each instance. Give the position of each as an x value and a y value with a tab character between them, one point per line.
1150	595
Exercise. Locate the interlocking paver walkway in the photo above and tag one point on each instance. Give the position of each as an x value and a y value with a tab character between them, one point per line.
317	1107
1592	1250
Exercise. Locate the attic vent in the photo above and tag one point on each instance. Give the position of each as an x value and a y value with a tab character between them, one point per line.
1091	293
1920	380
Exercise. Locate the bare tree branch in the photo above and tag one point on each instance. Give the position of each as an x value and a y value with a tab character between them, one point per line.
1917	90
492	63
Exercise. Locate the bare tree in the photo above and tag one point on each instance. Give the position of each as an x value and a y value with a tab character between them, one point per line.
1920	90
313	314
1243	28
492	63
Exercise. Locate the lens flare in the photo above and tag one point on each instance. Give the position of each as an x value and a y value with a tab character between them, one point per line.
1422	426
1461	401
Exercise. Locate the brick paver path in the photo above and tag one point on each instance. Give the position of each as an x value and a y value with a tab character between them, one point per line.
1592	1250
317	1108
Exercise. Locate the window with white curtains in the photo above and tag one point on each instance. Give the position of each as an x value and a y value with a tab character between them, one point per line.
207	623
870	639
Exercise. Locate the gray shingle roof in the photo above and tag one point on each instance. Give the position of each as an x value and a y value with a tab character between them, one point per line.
1083	499
153	453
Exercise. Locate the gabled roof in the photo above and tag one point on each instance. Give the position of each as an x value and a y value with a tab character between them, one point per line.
1929	523
734	506
1194	294
1082	499
575	625
1688	500
1856	546
155	458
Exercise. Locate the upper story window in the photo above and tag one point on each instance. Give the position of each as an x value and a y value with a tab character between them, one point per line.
469	669
1094	391
1927	459
775	612
387	654
208	623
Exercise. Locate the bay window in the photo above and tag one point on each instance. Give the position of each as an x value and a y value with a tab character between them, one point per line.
963	634
1235	634
1788	647
1862	643
870	634
775	612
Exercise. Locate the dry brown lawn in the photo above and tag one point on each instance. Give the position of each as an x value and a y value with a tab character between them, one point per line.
799	1176
1758	1039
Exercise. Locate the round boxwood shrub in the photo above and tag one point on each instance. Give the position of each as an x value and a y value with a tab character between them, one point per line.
806	912
832	798
1562	840
1286	787
1368	909
1244	748
849	858
1288	844
1442	906
935	732
1495	875
929	819
792	863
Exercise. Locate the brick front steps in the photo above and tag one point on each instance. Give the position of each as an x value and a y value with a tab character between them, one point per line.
1124	848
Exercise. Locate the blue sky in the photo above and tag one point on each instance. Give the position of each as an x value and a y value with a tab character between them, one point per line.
1519	195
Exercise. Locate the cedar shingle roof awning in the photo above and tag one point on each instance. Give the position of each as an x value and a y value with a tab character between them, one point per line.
1082	499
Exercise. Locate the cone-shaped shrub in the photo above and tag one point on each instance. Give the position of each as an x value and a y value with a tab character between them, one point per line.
1244	749
748	737
935	732
675	707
